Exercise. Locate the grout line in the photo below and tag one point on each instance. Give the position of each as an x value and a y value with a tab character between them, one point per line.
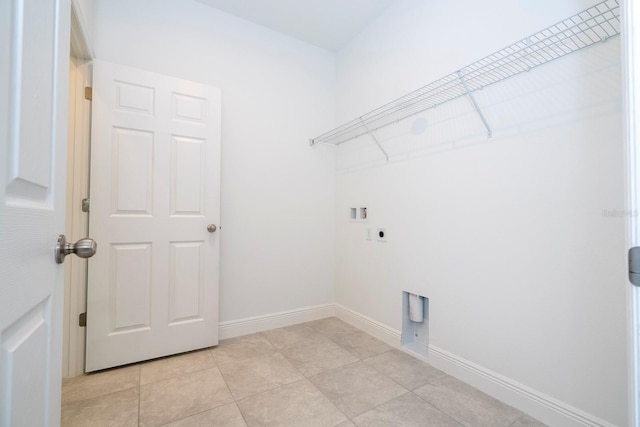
203	350
97	397
267	338
207	349
438	409
360	360
518	419
274	350
364	360
308	379
196	413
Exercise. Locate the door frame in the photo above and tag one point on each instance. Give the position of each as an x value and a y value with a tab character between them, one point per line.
75	280
631	97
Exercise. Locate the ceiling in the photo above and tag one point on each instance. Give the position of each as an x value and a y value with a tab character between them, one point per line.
325	23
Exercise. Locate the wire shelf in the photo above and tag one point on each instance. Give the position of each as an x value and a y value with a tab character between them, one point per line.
593	25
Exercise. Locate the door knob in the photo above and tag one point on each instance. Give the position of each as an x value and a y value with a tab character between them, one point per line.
211	228
84	248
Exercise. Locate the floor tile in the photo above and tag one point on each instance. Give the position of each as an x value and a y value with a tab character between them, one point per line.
225	416
174	366
115	409
297	404
466	404
527	421
243	347
97	384
315	358
410	372
179	397
331	326
293	336
266	373
361	344
357	388
258	374
407	411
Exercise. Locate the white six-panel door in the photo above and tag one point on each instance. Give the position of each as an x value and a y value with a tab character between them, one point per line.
34	55
155	187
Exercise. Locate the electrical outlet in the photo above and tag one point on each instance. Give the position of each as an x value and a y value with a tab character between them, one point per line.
368	233
381	235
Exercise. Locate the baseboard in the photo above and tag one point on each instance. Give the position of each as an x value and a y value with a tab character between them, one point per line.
534	403
379	330
539	405
250	325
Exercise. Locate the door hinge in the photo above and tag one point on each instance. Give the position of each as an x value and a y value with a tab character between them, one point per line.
82	319
86	204
634	265
88	93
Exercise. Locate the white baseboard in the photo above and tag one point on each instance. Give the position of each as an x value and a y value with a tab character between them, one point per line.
250	325
534	403
379	330
545	408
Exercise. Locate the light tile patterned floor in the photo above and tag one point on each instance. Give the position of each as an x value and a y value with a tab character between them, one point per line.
322	373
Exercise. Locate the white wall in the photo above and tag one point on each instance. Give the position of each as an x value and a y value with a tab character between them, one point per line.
277	194
507	237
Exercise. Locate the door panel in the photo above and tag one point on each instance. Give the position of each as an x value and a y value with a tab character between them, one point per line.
186	281
30	146
155	186
187	176
130	287
34	36
132	173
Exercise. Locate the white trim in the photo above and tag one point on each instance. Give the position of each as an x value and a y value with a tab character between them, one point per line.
379	330
631	96
80	44
77	221
545	408
532	402
250	325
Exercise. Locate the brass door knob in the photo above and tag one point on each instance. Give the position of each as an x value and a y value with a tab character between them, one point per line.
211	228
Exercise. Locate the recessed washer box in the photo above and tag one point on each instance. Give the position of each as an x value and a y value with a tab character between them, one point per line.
415	335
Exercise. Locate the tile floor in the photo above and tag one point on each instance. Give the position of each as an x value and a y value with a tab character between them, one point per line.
321	373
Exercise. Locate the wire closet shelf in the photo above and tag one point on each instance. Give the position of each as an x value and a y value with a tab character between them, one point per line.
591	26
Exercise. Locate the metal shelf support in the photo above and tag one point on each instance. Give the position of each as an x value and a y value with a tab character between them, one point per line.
386	156
475	104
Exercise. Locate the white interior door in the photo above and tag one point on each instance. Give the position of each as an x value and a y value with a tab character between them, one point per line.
34	47
155	188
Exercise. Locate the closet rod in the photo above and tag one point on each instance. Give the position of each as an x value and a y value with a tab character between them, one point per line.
592	25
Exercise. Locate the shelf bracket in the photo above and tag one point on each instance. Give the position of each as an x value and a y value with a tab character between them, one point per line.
475	104
374	139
